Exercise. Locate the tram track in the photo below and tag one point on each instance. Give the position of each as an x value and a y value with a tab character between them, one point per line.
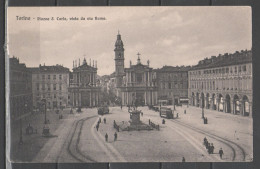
237	150
74	138
238	153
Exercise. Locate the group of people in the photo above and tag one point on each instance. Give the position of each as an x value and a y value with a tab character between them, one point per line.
115	137
106	135
210	147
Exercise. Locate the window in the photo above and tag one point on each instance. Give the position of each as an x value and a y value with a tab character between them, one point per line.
37	76
227	70
54	77
235	69
54	96
244	68
43	86
49	76
239	69
37	86
60	77
231	70
60	87
169	85
43	77
54	86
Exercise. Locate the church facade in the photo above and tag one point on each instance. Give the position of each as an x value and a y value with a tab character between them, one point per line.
83	88
136	84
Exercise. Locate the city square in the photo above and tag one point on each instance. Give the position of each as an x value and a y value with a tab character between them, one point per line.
118	96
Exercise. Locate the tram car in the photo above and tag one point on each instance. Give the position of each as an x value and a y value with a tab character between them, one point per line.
166	113
103	110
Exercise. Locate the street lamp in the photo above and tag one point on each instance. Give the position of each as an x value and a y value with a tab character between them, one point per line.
45	118
202	109
21	125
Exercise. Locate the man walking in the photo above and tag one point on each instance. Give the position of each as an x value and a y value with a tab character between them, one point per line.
220	153
106	137
115	136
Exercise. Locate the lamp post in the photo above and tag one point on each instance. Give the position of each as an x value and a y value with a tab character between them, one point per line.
45	116
21	125
202	108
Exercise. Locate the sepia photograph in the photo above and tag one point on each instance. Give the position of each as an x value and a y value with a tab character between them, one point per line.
129	84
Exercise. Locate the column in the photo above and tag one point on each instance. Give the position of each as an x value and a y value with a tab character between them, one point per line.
90	100
80	99
145	98
241	107
224	106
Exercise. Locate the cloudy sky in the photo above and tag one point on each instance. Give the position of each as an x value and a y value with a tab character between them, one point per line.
164	35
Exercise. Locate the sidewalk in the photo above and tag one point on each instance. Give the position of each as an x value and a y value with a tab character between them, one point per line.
32	144
236	128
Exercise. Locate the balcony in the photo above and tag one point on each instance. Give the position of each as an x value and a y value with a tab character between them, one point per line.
139	84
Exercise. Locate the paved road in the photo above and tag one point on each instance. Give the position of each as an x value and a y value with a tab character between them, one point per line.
79	141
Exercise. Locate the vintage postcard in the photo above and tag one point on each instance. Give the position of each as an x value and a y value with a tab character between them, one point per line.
129	84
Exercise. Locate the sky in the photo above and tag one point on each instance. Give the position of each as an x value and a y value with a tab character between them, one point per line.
172	36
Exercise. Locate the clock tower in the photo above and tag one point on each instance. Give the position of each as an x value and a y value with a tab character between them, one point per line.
119	61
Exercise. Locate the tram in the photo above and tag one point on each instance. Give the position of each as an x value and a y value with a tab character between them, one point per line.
103	110
166	113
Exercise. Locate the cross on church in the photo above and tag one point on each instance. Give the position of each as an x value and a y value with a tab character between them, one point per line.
138	54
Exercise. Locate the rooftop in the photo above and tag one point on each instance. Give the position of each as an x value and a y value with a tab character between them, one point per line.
244	56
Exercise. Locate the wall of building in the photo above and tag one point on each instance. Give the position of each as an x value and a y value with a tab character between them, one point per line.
226	88
52	86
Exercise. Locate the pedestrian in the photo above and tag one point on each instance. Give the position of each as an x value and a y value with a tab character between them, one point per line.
149	121
183	159
185	111
209	148
205	141
206	120
115	136
163	121
121	106
212	148
106	137
105	120
220	153
97	126
99	120
177	115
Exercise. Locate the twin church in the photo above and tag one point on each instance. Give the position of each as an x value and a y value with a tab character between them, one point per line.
136	84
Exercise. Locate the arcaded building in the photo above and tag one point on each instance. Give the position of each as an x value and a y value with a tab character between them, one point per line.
223	83
20	83
172	84
50	84
135	84
83	89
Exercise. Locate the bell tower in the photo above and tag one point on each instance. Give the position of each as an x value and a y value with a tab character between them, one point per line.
119	60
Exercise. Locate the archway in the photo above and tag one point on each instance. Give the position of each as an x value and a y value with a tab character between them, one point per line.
220	103
197	100
236	104
245	103
202	100
207	101
228	104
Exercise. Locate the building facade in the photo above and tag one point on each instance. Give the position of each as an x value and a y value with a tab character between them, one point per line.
50	83
83	88
223	83
172	84
135	84
20	82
